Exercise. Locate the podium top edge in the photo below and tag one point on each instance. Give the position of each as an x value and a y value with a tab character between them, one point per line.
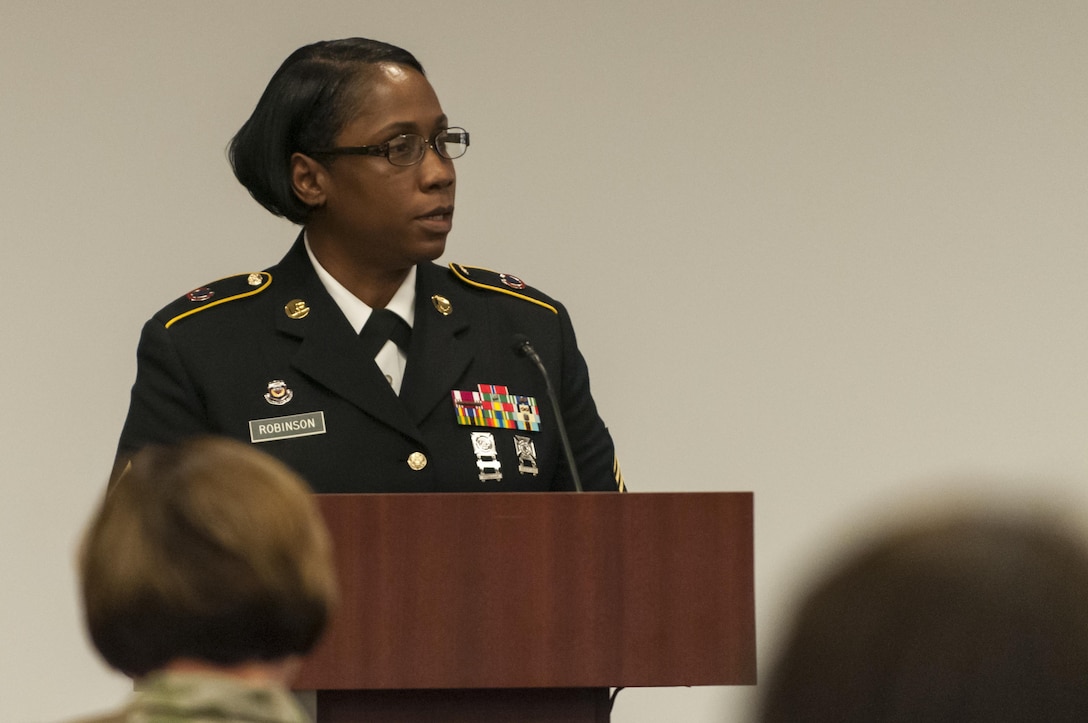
469	495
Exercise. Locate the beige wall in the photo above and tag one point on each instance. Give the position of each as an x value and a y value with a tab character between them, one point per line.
830	252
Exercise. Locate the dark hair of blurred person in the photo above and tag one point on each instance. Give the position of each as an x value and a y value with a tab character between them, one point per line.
974	618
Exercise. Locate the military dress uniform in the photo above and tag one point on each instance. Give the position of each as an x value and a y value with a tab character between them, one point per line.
269	358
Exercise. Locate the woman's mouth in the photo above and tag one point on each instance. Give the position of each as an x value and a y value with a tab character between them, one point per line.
440	220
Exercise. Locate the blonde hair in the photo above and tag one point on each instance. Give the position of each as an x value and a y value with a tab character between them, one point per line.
210	550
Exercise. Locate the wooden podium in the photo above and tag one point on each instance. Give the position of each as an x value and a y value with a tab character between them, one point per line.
528	607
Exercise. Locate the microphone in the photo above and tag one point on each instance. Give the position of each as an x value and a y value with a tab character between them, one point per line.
524	347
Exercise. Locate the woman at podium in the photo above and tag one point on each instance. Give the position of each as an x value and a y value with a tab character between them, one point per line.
358	360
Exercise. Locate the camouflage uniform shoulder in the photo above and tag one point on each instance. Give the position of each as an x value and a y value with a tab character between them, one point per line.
508	284
217	293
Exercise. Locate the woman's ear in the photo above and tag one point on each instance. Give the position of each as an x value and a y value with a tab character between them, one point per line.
308	179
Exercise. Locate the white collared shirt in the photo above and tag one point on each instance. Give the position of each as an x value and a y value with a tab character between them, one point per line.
390	359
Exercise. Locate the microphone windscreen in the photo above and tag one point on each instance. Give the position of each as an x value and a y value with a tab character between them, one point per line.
522	344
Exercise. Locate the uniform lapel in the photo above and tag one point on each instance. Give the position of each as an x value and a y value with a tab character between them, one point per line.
329	351
441	350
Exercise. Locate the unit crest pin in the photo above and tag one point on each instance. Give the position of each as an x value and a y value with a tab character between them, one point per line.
278	393
201	294
512	281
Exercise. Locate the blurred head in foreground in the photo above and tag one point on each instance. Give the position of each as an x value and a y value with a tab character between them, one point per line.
208	553
971	618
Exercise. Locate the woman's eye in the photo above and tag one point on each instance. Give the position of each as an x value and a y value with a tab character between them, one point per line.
402	144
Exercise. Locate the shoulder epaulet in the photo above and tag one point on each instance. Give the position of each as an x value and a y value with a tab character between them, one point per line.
507	284
218	292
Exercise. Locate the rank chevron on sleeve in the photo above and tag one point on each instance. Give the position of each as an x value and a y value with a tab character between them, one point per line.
494	406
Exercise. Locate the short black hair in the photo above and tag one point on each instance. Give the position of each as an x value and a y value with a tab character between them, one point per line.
307	102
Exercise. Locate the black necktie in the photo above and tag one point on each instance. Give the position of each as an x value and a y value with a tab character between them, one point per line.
382	326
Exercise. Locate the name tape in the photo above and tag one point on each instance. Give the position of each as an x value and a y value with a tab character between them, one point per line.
296	425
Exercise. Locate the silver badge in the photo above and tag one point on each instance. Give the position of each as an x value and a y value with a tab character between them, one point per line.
483	445
526	452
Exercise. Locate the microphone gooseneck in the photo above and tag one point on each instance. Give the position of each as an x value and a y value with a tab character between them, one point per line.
524	347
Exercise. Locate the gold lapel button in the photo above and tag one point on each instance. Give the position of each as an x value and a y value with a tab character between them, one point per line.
417	461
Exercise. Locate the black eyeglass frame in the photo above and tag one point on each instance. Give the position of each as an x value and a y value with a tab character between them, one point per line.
382	149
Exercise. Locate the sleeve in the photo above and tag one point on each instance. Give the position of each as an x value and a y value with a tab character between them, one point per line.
165	405
594	451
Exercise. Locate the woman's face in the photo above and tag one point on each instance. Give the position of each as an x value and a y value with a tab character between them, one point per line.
383	216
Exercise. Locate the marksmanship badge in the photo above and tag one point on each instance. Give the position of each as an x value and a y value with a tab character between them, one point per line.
526	452
483	444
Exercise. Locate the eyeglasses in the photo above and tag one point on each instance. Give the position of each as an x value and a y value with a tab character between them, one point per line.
408	149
